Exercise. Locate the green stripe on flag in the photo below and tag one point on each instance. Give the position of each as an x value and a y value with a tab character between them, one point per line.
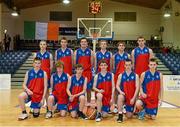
29	29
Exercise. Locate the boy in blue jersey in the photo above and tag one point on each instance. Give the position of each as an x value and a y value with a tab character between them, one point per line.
58	94
128	89
35	87
104	88
151	91
76	90
103	54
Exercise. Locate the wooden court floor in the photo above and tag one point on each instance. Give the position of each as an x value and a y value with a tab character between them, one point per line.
9	112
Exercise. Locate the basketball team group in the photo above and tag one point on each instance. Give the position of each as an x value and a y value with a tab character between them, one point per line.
120	81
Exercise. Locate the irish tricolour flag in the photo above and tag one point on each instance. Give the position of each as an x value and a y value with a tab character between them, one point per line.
40	30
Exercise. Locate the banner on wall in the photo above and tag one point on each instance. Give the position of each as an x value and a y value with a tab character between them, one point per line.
171	82
69	31
41	31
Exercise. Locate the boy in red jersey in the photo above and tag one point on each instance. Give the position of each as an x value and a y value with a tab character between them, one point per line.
104	88
140	56
119	59
84	56
46	62
46	59
128	88
65	55
59	81
35	86
151	91
76	90
103	54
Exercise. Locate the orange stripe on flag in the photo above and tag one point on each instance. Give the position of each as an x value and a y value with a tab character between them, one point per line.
53	31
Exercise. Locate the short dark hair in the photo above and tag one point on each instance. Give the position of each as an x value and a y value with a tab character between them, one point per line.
103	41
121	42
141	37
103	61
64	38
84	38
78	66
153	60
128	60
36	59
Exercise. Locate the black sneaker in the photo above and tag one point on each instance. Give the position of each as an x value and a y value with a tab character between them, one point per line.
120	118
81	115
98	117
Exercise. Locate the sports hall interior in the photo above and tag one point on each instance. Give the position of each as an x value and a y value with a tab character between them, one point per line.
130	19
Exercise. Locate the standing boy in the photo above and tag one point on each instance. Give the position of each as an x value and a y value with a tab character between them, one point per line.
103	54
84	56
119	59
46	59
65	55
140	56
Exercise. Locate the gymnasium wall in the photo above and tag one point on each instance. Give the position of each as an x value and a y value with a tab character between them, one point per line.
148	20
176	21
172	25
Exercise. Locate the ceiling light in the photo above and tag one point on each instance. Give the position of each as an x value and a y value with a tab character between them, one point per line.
166	15
167	11
14	13
66	1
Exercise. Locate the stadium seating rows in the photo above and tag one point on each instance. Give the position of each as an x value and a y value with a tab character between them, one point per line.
11	61
171	60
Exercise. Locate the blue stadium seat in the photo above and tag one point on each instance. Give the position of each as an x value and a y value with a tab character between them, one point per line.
172	61
10	61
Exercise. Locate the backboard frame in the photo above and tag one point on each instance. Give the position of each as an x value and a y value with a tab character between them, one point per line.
89	35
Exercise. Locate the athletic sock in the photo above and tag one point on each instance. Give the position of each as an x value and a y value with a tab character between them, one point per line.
24	112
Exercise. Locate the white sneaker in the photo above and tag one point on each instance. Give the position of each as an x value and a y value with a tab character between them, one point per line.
98	117
48	115
124	110
23	116
115	110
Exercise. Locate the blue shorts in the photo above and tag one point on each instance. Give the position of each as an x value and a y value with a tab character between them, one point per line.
129	108
59	106
105	108
34	105
149	111
74	108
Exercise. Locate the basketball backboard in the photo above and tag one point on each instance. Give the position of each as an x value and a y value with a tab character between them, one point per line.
95	28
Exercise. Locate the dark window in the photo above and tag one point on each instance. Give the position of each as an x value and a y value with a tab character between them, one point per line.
60	16
125	16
